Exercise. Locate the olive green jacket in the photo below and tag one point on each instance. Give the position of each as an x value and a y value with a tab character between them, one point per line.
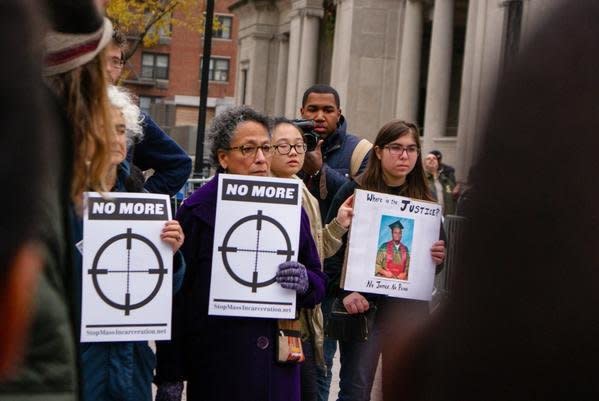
48	370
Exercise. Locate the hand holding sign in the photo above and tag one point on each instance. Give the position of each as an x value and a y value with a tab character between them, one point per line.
438	252
346	212
172	234
293	276
355	303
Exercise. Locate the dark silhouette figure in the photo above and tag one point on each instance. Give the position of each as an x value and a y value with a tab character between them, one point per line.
523	323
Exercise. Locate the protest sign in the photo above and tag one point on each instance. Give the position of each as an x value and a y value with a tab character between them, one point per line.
257	228
127	268
389	246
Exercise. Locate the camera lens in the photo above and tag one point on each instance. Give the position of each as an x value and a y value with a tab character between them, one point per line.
311	140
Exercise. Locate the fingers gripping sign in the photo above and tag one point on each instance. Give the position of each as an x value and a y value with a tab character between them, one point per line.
172	234
355	303
293	276
438	252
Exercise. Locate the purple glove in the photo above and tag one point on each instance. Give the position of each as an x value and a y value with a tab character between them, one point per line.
293	276
169	391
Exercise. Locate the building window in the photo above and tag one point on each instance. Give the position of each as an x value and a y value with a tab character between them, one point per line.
224	27
219	69
154	66
145	103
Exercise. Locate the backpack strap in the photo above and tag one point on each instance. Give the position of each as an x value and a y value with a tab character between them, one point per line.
359	153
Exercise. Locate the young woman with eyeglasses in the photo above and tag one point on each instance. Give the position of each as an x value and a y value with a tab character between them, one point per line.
394	168
287	160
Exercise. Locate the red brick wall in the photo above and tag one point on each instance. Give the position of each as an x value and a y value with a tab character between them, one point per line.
185	51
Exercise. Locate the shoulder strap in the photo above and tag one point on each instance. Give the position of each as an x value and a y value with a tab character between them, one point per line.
360	151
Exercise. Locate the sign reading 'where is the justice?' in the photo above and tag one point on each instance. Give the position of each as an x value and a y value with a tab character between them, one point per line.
389	246
257	228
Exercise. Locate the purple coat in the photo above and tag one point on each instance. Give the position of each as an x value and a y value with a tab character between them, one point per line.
227	358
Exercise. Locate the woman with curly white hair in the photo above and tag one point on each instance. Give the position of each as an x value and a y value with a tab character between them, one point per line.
127	118
124	370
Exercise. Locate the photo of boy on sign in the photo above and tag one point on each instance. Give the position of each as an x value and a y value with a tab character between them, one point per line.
393	255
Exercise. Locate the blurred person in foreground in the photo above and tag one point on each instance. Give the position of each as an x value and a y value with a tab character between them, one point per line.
231	358
69	121
23	172
523	324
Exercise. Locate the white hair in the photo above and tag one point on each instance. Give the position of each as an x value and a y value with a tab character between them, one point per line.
123	100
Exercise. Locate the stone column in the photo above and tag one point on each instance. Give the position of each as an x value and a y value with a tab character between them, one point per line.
341	59
295	27
281	79
439	71
409	64
308	54
258	69
482	58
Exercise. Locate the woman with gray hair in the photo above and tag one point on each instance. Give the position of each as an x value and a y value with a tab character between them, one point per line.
127	120
231	358
124	370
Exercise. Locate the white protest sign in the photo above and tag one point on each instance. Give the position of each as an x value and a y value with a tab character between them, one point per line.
389	246
127	269
257	228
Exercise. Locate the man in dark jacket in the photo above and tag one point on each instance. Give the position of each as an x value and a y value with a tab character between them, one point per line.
327	167
157	150
325	170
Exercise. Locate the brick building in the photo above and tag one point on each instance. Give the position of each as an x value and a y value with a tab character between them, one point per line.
166	77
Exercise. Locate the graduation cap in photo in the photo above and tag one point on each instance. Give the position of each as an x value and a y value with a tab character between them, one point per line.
396	224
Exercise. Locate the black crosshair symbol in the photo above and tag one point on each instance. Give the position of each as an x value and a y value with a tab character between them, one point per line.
226	248
95	271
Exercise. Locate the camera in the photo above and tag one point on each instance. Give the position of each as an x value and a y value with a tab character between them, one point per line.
311	138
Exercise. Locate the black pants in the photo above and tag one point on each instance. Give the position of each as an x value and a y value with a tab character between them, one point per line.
308	368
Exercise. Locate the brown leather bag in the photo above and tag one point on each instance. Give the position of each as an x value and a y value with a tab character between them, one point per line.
289	341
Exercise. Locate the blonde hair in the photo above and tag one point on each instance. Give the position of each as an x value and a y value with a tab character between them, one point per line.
83	91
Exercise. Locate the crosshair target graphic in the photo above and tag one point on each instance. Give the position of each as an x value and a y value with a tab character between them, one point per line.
117	275
244	258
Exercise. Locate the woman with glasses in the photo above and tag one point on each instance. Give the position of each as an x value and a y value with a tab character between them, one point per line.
395	168
287	160
231	358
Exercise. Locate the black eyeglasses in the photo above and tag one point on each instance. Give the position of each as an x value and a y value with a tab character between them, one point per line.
117	62
285	148
397	150
251	150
